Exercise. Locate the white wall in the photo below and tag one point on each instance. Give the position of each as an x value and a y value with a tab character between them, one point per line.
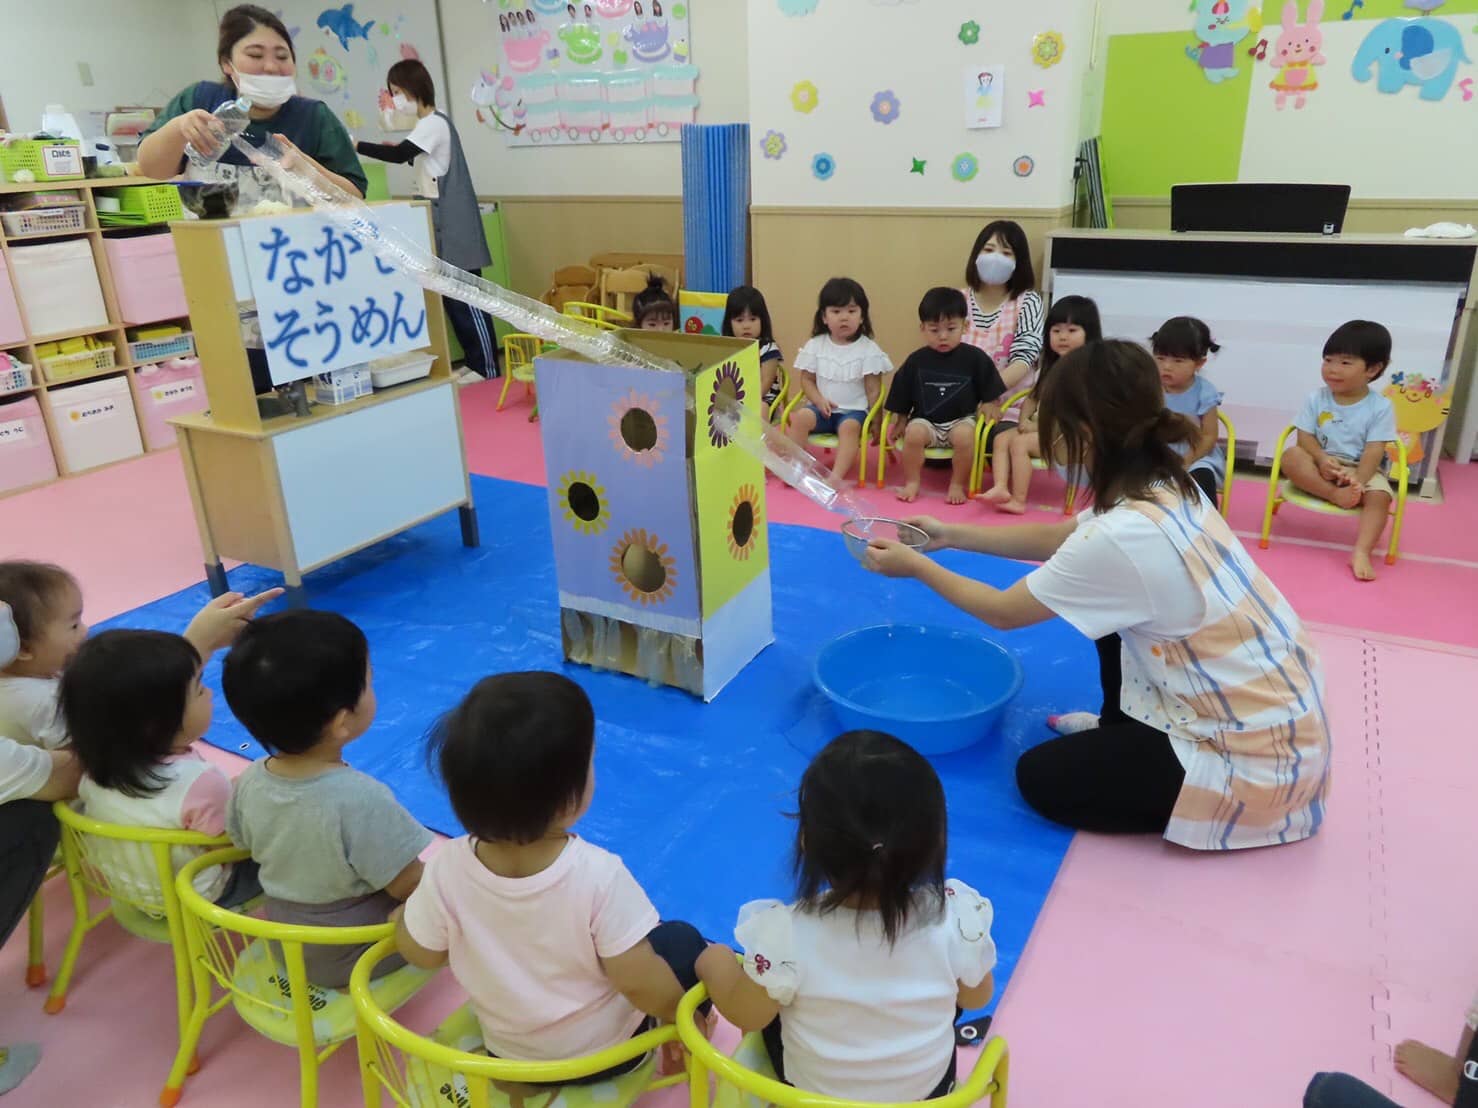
140	52
469	37
851	50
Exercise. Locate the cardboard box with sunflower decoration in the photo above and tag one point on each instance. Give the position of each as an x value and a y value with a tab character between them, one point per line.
661	551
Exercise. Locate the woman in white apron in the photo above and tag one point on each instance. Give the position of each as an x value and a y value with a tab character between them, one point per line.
443	178
1222	741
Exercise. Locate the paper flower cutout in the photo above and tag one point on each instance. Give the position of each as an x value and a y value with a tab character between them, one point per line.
823	166
774	145
638	429
1047	48
970	33
918	166
1036	98
804	97
798	7
965	167
885	106
584	502
727	382
643	568
744	521
1023	166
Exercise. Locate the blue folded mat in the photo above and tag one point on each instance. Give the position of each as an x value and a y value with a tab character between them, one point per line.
693	796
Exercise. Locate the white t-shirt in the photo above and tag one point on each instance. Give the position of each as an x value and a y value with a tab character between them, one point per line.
841	367
194	797
434	137
860	1020
1345	430
1118	573
28	711
527	950
23	770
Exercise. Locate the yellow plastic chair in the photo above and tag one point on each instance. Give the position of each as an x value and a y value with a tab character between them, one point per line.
36	927
776	412
1282	492
452	1069
134	869
607	319
982	456
257	966
830	442
1226	480
519	352
931	453
746	1080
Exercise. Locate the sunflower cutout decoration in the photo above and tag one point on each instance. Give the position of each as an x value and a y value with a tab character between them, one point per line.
638	429
584	502
643	568
744	522
727	385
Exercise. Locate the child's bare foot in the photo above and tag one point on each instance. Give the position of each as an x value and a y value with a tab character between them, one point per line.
1430	1068
1360	563
1347	496
997	495
1012	507
909	492
956	494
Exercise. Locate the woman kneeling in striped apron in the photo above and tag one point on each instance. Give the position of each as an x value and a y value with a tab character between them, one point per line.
1222	741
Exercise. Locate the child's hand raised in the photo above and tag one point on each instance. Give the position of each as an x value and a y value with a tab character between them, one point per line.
217	624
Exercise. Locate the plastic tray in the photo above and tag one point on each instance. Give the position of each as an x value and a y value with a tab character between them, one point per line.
400	368
41	221
66	367
157	350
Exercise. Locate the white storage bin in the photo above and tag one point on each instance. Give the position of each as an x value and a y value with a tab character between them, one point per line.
397	369
95	423
57	283
11	331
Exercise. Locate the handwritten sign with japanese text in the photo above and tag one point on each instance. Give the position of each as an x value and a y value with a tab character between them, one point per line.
324	300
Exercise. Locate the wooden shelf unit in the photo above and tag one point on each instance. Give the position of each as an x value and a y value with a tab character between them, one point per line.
114	330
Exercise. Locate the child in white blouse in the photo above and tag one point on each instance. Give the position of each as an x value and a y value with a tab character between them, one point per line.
856	985
841	371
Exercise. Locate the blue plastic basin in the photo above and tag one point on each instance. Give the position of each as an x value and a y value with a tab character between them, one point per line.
935	688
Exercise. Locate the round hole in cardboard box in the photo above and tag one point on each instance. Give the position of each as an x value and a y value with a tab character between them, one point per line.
583	501
643	568
743	524
639	430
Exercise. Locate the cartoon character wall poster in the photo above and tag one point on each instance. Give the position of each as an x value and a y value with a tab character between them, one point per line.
1220	26
985	95
1296	54
601	71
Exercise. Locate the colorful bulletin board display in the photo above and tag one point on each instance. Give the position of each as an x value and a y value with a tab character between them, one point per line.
1185	103
604	71
345	49
701	313
325	302
661	547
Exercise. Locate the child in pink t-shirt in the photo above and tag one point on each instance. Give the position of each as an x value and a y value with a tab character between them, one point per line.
557	946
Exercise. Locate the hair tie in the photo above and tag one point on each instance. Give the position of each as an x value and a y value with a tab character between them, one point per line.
876	847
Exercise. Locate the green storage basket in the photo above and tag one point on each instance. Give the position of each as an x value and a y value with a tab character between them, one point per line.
140	204
27	154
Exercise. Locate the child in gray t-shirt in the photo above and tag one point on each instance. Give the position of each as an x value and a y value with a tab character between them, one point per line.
335	847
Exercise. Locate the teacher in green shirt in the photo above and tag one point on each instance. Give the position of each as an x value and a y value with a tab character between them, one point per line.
255	53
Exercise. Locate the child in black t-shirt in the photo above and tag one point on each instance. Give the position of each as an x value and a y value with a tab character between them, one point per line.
939	392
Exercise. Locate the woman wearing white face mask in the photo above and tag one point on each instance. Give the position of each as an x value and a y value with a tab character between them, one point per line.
1005	310
443	178
256	57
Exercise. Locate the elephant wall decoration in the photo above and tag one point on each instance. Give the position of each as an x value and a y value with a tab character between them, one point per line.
1423	52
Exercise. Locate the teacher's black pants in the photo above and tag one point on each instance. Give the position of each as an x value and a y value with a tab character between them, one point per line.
28	837
1121	777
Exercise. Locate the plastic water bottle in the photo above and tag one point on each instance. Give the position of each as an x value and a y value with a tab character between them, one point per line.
233	116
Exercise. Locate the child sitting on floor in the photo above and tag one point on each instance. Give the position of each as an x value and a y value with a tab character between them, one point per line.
134	705
1344	428
335	847
1181	347
556	944
746	316
652	309
939	391
46	604
1072	322
841	371
856	985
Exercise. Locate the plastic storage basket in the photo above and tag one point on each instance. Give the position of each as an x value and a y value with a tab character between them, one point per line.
65	157
141	204
158	350
67	367
14	378
41	221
